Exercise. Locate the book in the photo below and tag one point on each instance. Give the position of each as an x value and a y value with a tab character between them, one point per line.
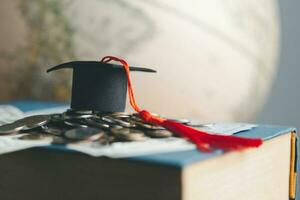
268	172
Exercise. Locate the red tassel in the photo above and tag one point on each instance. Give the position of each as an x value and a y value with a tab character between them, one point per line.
205	141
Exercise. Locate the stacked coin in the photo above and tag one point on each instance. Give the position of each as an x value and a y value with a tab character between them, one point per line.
75	126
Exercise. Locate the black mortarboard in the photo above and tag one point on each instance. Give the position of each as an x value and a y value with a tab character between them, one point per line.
98	86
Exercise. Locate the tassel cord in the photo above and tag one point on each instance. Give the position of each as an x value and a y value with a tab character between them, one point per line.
203	140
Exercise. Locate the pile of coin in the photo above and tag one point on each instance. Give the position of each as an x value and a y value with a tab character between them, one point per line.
76	126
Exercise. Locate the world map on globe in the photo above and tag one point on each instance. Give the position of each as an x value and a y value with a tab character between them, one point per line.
215	59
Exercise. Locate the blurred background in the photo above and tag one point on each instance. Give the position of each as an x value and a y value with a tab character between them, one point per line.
218	60
282	106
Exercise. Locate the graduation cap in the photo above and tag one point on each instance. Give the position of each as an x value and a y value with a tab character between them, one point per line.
98	86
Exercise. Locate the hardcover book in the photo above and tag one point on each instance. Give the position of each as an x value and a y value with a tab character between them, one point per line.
267	172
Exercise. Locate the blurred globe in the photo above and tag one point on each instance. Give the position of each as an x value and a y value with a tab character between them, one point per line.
215	59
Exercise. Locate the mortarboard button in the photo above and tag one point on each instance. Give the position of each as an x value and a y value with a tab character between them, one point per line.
98	86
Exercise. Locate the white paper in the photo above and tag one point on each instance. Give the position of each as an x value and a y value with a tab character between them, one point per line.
130	149
116	150
47	111
9	114
152	146
228	128
11	143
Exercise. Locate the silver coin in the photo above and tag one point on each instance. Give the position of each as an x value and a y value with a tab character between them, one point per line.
115	126
66	117
11	128
128	134
56	117
113	123
159	133
83	112
24	124
135	118
75	123
34	121
74	115
138	122
108	119
84	134
94	122
79	112
120	115
123	123
148	126
53	130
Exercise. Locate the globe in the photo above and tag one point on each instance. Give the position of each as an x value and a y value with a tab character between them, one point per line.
215	59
